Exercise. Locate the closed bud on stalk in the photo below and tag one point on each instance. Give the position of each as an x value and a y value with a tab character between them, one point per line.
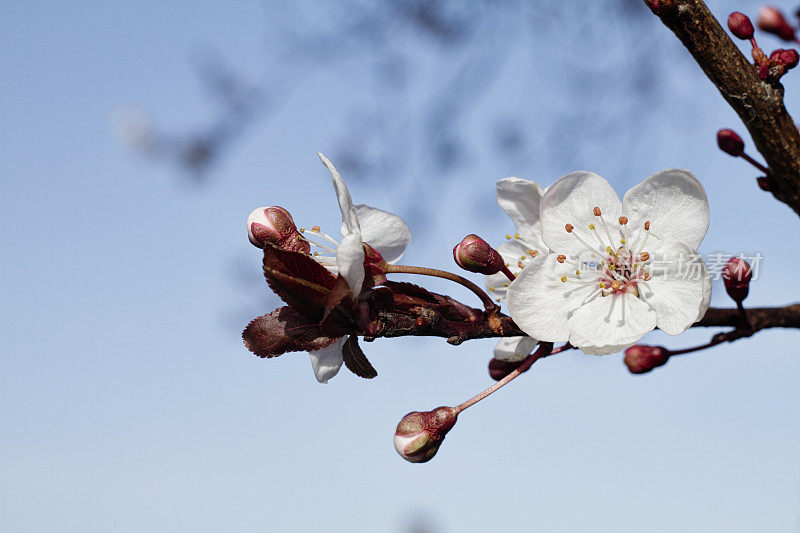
740	25
771	20
498	369
275	225
419	434
475	255
736	275
730	142
641	358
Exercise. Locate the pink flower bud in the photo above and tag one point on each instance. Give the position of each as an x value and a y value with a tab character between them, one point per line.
475	255
275	225
740	25
771	20
498	369
736	275
419	434
730	142
641	359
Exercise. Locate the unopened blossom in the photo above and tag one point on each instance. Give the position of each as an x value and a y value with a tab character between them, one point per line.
386	233
615	270
520	199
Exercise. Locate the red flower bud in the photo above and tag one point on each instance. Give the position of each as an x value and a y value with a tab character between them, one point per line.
730	142
771	20
740	25
736	275
498	369
475	255
641	359
787	58
419	434
275	225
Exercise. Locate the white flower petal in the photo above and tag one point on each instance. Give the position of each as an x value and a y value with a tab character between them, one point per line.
609	324
349	218
571	200
350	260
327	361
540	303
384	231
677	288
706	298
520	199
674	202
514	349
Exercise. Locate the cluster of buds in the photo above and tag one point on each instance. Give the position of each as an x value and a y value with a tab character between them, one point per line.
732	144
473	254
736	275
419	434
275	225
780	61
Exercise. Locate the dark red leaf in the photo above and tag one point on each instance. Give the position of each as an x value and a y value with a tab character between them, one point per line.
283	330
300	281
355	359
337	320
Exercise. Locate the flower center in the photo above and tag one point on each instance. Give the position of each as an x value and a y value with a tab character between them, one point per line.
618	265
325	253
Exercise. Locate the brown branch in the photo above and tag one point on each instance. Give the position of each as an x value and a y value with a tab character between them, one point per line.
401	324
759	104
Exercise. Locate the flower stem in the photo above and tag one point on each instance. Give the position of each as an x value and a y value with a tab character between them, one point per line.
487	301
544	349
744	322
510	275
755	163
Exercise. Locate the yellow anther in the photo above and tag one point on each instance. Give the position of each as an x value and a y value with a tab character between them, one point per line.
569	228
608	249
615	285
644	256
534	253
622	241
564	278
602	285
315	229
302	230
523	257
491	289
596	211
646	276
561	258
505	284
516	235
591	226
508	236
577	272
316	254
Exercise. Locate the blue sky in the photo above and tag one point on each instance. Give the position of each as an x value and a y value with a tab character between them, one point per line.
130	404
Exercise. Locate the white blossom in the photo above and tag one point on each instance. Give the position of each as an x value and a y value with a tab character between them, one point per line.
387	233
613	272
